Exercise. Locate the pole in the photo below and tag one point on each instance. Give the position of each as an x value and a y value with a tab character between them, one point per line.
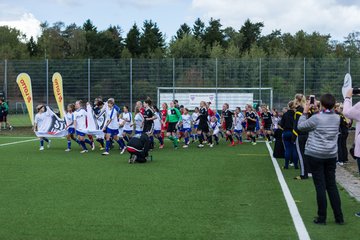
47	81
304	88
89	79
173	78
349	65
216	84
131	86
5	81
260	81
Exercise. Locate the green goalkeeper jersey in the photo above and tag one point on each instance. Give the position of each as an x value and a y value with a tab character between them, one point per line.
173	115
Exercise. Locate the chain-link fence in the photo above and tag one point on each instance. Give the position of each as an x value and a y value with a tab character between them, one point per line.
129	80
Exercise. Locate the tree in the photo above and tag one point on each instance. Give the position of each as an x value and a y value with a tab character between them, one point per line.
151	39
12	43
251	33
132	41
213	33
32	47
183	30
186	47
198	29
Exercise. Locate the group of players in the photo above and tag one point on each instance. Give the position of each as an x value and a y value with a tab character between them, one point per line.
173	121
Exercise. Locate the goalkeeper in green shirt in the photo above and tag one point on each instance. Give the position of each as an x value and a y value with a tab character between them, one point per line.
173	117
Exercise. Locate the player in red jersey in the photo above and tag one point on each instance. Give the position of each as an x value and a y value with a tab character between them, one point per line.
164	107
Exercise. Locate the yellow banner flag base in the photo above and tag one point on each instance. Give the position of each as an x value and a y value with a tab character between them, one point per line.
24	82
58	92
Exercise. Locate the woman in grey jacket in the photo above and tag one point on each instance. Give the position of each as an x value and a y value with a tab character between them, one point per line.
321	154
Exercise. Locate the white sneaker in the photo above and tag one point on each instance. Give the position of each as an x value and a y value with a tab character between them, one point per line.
211	145
123	150
92	146
84	151
185	146
67	150
340	163
49	143
200	146
105	153
41	148
291	164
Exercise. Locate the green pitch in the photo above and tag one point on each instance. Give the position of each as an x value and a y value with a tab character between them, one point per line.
220	193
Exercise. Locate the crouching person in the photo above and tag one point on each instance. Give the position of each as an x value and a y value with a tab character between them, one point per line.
138	147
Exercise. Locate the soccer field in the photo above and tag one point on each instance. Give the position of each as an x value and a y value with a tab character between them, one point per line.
212	193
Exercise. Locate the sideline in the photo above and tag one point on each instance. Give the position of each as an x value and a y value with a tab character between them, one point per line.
12	143
294	211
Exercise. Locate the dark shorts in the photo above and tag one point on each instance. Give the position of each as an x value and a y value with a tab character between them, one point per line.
251	128
172	127
204	128
71	130
267	127
148	128
228	127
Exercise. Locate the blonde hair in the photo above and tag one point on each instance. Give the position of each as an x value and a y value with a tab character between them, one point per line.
291	104
299	100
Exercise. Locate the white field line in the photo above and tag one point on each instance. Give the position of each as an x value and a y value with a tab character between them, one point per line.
12	137
12	143
294	212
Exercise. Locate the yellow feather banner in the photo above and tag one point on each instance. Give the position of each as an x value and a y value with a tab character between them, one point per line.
58	92
24	82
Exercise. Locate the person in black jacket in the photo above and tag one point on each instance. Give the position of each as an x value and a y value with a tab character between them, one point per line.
300	137
287	124
345	124
138	147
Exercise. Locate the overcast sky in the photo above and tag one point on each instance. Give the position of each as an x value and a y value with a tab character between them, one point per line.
334	17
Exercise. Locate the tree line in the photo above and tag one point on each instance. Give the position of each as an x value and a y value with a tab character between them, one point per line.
201	40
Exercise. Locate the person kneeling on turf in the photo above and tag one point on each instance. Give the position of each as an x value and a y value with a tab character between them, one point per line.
138	147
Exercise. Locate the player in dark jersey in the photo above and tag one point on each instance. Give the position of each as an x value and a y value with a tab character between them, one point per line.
203	128
251	123
149	118
227	122
266	117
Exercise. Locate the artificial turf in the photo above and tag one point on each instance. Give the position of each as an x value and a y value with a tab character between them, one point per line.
219	193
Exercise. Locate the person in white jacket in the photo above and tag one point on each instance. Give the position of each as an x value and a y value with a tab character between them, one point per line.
353	113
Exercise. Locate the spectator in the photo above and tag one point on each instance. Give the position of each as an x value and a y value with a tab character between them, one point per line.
287	124
321	154
4	109
344	132
353	113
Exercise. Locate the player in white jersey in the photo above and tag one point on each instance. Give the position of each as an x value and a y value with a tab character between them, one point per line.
80	124
157	126
139	121
239	119
121	135
40	124
69	118
128	123
195	122
215	127
186	126
111	127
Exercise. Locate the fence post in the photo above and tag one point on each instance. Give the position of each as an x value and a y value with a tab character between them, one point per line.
304	90
89	80
173	78
5	81
349	65
260	100
216	84
131	86
47	81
